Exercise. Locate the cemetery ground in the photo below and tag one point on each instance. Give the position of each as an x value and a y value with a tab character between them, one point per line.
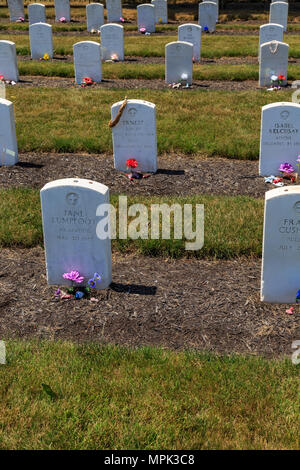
179	352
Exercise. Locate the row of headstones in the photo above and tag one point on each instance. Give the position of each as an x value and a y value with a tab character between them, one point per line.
95	11
87	54
133	137
273	52
76	215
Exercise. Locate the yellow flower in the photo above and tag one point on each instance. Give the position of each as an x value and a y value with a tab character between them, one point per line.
46	56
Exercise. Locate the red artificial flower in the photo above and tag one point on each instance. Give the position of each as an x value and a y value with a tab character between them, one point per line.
281	77
1	78
132	163
88	81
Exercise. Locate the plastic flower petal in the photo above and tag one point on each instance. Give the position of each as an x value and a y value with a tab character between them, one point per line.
286	168
274	78
73	276
92	283
132	163
97	277
79	294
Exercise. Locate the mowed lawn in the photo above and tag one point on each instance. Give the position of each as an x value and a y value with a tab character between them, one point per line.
233	225
57	395
214	123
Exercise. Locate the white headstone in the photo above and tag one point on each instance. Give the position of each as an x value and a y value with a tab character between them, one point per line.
279	13
146	17
280	280
16	9
112	41
217	3
191	33
114	10
40	40
274	58
135	135
69	212
8	139
161	11
95	16
280	137
208	12
87	61
8	61
36	13
179	62
270	32
62	10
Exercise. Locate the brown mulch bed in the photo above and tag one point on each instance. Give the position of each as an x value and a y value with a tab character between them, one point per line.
212	306
156	84
177	175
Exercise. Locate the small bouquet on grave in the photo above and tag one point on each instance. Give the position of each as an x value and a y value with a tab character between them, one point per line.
87	81
131	164
205	29
20	20
76	291
122	19
62	19
114	57
143	30
8	82
45	57
287	170
298	297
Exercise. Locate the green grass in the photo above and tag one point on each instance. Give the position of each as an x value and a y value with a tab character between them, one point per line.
226	123
59	395
233	225
154	46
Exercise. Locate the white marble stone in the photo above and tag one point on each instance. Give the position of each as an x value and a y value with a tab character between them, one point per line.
16	9
40	40
161	11
114	10
280	137
279	13
146	17
69	212
112	41
135	135
191	33
62	9
179	62
270	32
94	16
274	57
8	61
208	13
36	13
217	11
280	280
87	61
8	139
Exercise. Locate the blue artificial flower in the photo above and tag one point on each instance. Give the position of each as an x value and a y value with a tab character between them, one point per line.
97	277
298	295
92	283
205	28
79	294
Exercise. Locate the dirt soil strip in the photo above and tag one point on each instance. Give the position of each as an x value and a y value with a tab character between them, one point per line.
177	175
130	84
204	305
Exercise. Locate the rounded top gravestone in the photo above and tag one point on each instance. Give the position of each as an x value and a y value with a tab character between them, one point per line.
8	60
135	135
70	209
179	62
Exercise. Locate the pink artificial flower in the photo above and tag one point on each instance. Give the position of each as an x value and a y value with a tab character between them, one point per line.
122	19
62	19
289	311
142	30
73	276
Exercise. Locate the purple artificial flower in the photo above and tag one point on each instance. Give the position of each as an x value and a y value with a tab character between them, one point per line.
92	283
73	276
298	159
286	168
